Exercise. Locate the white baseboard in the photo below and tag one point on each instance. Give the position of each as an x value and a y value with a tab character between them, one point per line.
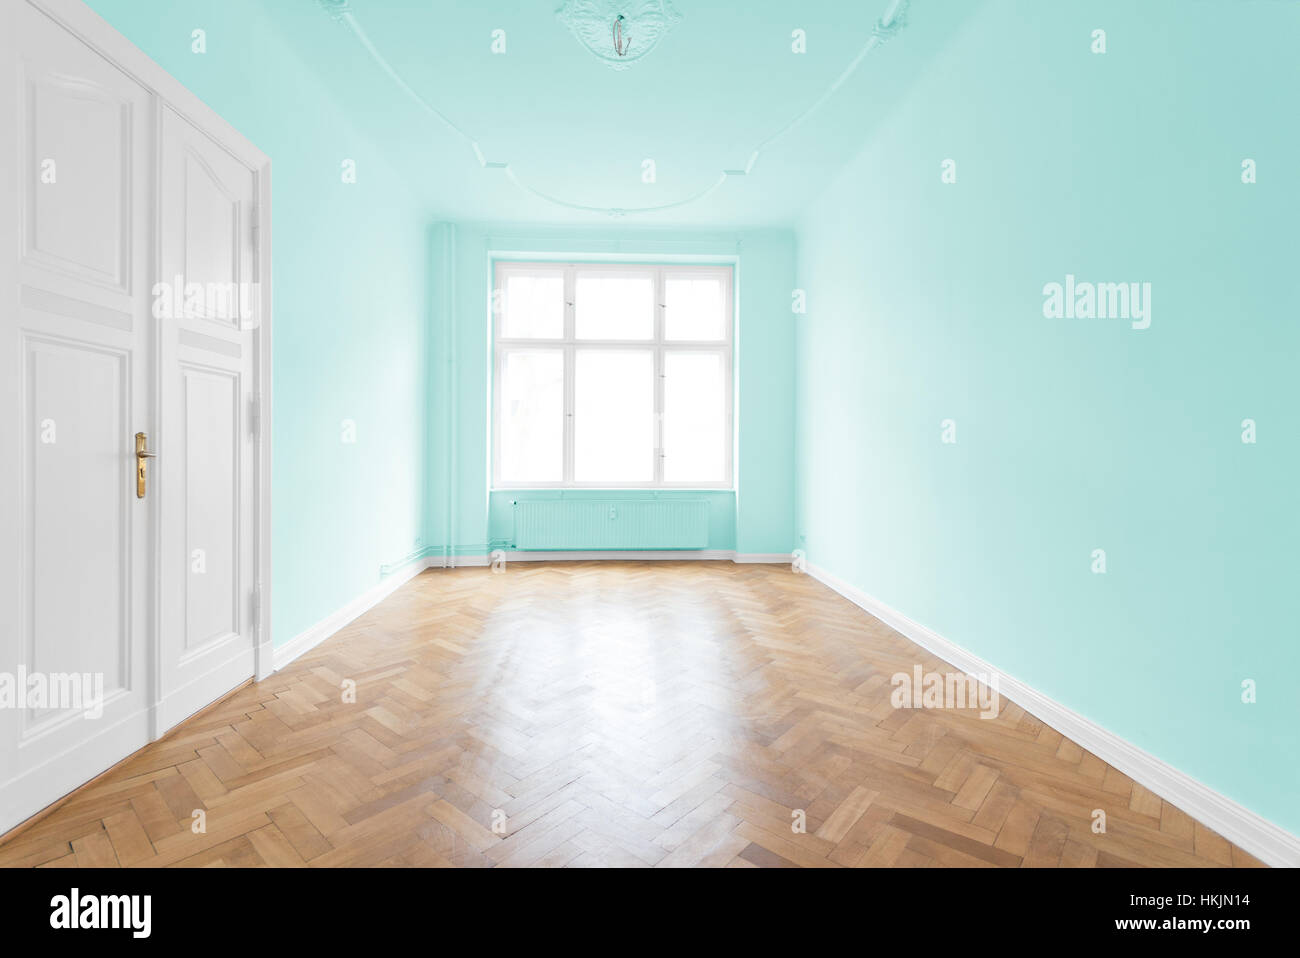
457	562
1266	841
322	630
612	555
766	558
670	555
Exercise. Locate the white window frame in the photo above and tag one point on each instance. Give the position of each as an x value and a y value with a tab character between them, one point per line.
569	343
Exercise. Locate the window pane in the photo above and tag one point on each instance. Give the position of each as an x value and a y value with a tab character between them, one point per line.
533	307
695	309
532	416
613	415
614	307
695	416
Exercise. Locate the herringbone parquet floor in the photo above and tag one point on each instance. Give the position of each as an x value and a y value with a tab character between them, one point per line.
625	714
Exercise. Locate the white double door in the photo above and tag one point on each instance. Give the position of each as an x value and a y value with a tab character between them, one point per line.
128	601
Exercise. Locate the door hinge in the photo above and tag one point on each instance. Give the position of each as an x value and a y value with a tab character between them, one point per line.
257	606
255	416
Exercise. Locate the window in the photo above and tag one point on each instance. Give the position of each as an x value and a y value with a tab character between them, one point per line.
612	376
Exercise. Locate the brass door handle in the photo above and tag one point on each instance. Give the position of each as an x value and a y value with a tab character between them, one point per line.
142	457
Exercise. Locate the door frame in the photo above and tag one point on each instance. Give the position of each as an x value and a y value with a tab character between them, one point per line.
84	23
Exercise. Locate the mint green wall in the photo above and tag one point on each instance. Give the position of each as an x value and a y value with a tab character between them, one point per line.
351	306
925	304
757	517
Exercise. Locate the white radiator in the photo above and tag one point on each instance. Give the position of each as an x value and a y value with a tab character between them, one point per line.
574	524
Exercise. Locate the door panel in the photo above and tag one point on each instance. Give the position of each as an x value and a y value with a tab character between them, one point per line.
211	490
76	422
79	142
206	444
211	253
75	349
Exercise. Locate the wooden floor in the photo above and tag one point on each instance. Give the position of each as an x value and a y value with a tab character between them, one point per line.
611	714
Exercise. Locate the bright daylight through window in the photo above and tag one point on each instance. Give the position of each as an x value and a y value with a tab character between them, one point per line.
612	376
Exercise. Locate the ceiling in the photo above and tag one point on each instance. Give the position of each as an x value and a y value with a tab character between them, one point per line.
722	82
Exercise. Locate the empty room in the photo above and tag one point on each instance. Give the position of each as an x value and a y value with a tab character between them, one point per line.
586	434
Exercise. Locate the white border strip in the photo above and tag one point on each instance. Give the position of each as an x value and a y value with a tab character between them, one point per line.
673	555
322	630
1266	841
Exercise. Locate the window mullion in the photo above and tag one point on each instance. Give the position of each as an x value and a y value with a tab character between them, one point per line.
569	361
660	300
659	415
